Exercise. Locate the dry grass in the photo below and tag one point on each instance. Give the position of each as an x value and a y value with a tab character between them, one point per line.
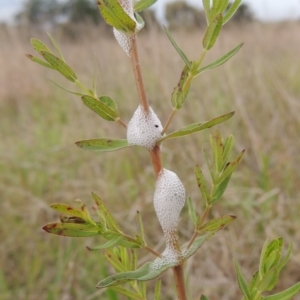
39	163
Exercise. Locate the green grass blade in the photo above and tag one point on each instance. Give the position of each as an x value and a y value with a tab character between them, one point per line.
142	5
180	52
102	144
60	66
286	294
196	127
221	60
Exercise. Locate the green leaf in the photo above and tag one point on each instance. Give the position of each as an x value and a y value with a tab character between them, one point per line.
269	281
203	297
115	16
241	281
107	245
56	46
201	184
217	224
132	295
206	5
104	107
286	294
180	52
272	260
39	46
230	167
228	145
192	212
285	260
71	92
192	128
212	32
218	7
60	66
80	212
157	290
231	11
102	144
104	214
114	259
217	147
141	226
39	61
219	190
72	229
142	5
221	60
198	242
263	256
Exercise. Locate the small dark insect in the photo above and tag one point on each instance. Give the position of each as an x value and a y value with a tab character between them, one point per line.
156	126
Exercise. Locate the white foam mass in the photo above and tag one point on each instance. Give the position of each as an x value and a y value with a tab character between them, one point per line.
168	257
144	129
169	198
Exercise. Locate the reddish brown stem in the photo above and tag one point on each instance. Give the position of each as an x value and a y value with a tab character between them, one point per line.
179	281
156	161
138	76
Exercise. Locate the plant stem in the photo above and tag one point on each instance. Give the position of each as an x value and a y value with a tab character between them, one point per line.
169	121
156	160
179	281
138	76
121	123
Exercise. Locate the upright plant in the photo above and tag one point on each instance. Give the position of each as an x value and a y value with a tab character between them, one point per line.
146	130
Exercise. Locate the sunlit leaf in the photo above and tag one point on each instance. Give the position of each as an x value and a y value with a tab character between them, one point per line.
180	52
192	128
60	66
221	60
217	224
72	229
242	282
142	5
115	16
212	32
39	61
102	144
286	294
105	107
231	11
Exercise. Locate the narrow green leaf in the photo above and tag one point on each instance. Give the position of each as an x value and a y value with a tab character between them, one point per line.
115	16
72	229
217	147
142	5
192	128
228	145
212	32
141	226
132	295
254	282
241	281
180	52
157	290
102	107
60	66
107	245
231	11
219	190
39	61
71	92
104	214
39	46
221	60
198	242
192	212
230	167
203	297
269	281
102	144
201	184
286	294
56	46
206	5
263	256
272	260
217	224
218	7
111	103
285	260
113	259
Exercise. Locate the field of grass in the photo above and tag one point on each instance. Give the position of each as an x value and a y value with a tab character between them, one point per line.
40	165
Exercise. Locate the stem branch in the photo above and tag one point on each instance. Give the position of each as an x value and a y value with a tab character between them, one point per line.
179	281
169	121
138	76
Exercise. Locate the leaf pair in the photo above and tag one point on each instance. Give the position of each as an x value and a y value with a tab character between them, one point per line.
267	276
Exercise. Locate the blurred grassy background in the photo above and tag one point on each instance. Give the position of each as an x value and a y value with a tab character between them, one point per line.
40	165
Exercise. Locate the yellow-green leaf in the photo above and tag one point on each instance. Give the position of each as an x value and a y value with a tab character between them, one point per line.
102	144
